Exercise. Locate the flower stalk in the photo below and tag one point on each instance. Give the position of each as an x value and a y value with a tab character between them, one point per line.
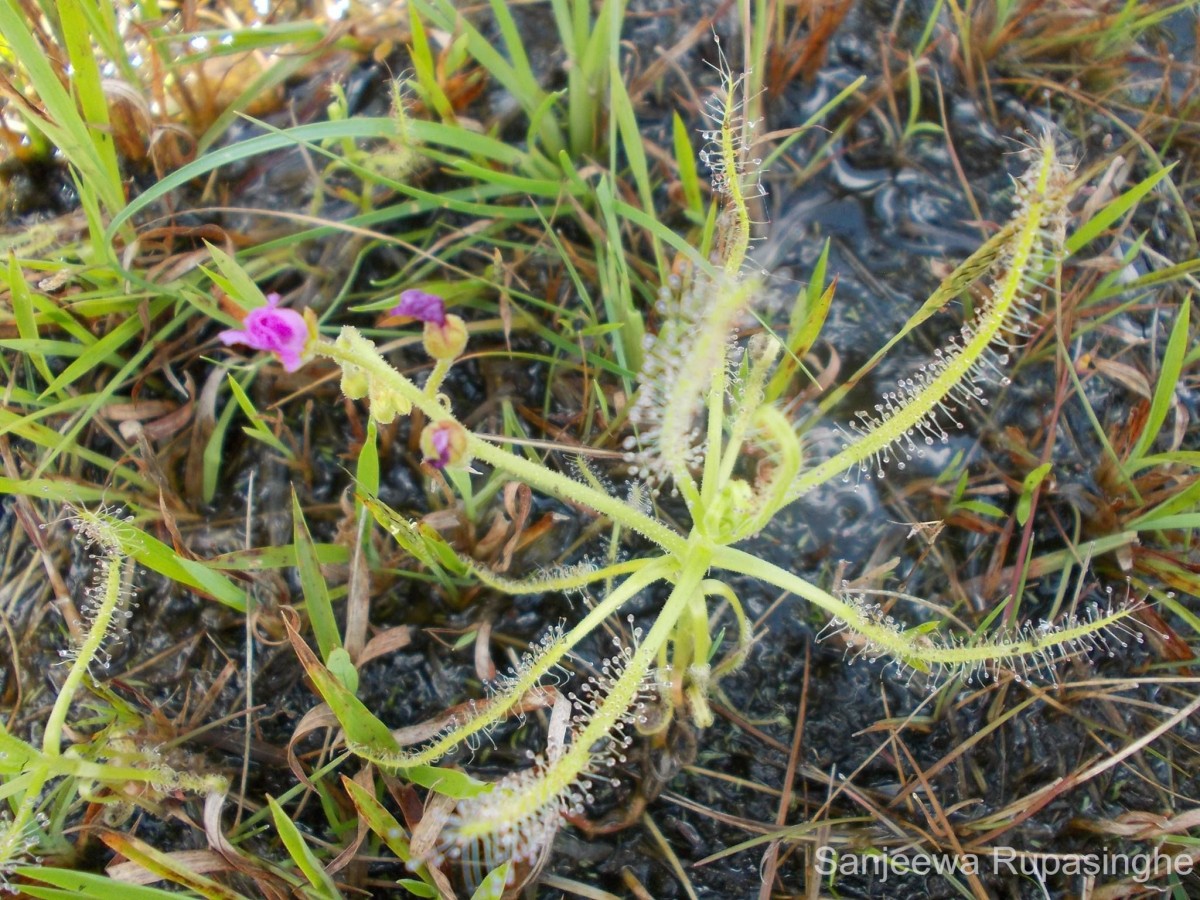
352	349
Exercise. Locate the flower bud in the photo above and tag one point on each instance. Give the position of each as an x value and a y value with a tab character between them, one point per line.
447	340
386	405
383	410
444	444
354	382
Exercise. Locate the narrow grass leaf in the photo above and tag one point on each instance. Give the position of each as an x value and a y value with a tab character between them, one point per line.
1031	483
1185	501
214	450
1113	210
366	471
664	234
1168	523
71	883
262	559
358	127
1173	605
37	433
616	290
843	95
516	77
1168	381
42	347
321	881
238	284
685	159
519	184
166	866
59	318
88	86
372	738
57	115
312	583
422	60
980	507
104	351
421	545
635	154
805	322
61	490
22	303
492	886
258	428
157	556
378	819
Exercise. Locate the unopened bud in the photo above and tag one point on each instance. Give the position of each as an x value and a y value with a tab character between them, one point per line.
444	444
354	382
447	340
386	405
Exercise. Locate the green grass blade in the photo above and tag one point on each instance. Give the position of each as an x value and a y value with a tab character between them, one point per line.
39	434
88	86
378	819
312	583
259	559
685	159
72	883
804	325
157	556
322	883
635	152
1113	210
235	281
615	288
370	737
492	886
104	351
22	303
422	60
62	123
1186	500
1164	389
258	428
64	491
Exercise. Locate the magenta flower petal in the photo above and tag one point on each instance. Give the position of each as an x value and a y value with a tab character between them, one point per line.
444	444
231	337
291	360
280	331
441	444
421	305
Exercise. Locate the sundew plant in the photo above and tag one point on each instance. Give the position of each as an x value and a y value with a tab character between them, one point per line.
700	416
230	168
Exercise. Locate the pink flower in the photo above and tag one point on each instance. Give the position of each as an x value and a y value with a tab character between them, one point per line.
280	331
420	305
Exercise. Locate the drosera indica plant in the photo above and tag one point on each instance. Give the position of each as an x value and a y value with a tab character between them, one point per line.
106	765
701	413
